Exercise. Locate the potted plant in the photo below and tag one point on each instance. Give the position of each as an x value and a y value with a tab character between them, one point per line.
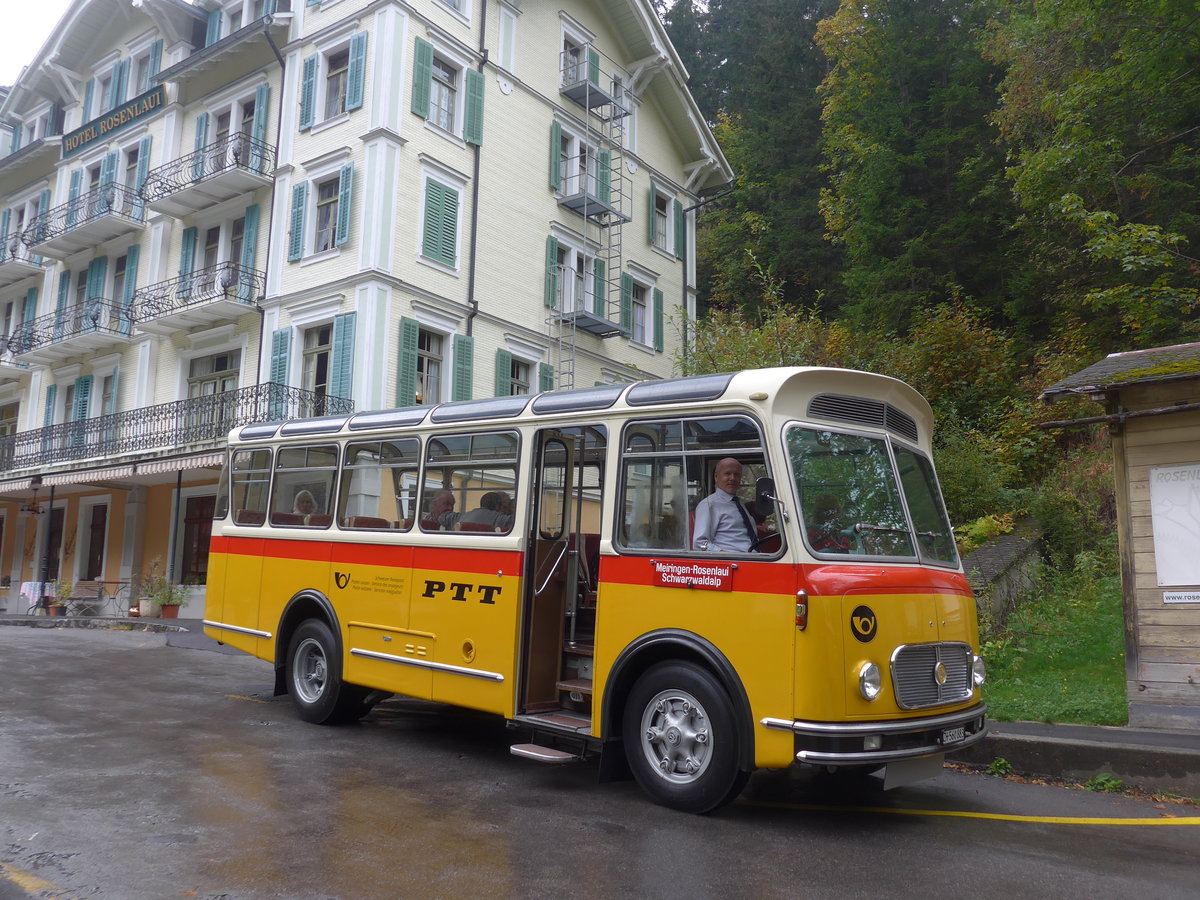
63	590
159	595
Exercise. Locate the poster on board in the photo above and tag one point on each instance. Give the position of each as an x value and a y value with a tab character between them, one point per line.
1175	515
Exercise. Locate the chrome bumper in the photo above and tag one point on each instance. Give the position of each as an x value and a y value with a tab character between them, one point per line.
841	743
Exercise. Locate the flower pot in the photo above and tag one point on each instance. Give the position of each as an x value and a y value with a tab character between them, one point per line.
170	611
148	609
56	610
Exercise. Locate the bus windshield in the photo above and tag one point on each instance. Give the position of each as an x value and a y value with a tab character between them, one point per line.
852	502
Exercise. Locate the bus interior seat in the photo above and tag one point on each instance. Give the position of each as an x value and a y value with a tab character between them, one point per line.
320	520
366	522
430	525
286	518
477	526
250	517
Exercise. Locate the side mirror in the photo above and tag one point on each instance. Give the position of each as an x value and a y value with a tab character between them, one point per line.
764	497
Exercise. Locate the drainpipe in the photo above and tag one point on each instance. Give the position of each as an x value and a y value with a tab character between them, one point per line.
262	313
472	303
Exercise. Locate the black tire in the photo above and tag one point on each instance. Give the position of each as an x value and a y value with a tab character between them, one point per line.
314	678
681	738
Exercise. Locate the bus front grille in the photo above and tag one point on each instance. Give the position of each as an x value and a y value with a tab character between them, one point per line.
931	674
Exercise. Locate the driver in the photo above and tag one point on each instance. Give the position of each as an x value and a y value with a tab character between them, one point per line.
722	523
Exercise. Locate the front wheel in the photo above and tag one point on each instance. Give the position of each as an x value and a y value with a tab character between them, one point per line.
314	678
681	738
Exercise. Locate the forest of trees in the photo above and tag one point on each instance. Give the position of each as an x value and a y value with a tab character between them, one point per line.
977	196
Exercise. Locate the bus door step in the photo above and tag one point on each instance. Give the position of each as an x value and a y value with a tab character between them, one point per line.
543	754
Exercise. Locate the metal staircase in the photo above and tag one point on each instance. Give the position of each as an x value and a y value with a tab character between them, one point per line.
595	186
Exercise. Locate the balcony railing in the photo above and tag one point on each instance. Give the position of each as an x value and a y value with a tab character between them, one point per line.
200	297
223	169
84	326
16	262
103	213
181	426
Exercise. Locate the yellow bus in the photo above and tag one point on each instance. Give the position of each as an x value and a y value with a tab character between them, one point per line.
693	578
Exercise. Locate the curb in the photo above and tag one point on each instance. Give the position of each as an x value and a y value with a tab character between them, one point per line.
1150	760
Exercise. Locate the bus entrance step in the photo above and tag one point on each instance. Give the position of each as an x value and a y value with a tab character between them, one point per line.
541	754
576	685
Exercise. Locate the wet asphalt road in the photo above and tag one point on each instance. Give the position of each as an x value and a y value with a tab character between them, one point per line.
131	768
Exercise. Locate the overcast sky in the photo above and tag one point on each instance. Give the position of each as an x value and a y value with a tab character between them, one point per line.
24	27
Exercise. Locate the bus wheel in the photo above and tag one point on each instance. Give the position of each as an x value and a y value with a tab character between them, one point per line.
314	678
681	738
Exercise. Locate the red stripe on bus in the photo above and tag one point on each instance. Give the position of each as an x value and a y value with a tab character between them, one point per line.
458	559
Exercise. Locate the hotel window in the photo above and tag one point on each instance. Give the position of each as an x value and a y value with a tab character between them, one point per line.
447	92
318	344
327	209
333	81
325	202
430	357
213	374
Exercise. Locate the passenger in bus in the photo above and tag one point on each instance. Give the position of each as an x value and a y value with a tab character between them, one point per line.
305	504
827	530
491	511
442	512
722	523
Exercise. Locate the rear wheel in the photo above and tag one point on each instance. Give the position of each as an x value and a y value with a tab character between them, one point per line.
314	678
681	738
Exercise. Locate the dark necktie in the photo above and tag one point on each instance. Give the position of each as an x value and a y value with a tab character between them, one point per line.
746	520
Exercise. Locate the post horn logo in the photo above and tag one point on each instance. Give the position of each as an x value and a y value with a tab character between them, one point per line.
342	579
863	623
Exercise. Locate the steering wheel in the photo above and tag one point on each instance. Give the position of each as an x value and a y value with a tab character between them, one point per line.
758	542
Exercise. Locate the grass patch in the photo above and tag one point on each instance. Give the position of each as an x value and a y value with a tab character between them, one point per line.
1060	656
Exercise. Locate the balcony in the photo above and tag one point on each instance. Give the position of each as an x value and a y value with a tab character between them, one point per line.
103	213
593	189
206	297
582	80
16	262
183	426
84	328
224	169
576	305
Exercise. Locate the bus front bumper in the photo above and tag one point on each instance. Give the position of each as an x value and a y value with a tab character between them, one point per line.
867	743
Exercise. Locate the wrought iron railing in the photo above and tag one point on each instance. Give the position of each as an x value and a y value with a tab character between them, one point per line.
12	249
179	426
90	317
105	200
237	151
226	281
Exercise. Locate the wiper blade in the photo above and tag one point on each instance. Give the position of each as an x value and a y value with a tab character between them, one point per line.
860	527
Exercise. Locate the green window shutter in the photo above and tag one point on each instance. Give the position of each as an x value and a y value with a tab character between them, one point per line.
155	63
258	128
212	33
680	232
341	375
503	373
83	397
308	92
406	363
89	93
593	66
551	290
422	78
201	141
108	168
64	291
249	254
31	301
132	257
5	222
652	217
296	237
143	169
658	319
464	366
120	81
51	401
281	348
96	273
599	288
440	235
604	176
473	130
356	78
187	253
341	232
626	301
556	173
546	376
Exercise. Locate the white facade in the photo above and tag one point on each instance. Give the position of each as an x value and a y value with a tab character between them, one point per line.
216	213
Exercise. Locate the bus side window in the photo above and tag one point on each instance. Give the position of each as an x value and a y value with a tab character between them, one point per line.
303	483
250	479
379	482
470	483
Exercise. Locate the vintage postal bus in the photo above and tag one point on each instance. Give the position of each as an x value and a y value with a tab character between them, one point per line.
553	559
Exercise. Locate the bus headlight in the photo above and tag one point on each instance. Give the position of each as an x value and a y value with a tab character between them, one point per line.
869	683
978	671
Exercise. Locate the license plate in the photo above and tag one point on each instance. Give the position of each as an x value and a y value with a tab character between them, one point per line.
954	735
